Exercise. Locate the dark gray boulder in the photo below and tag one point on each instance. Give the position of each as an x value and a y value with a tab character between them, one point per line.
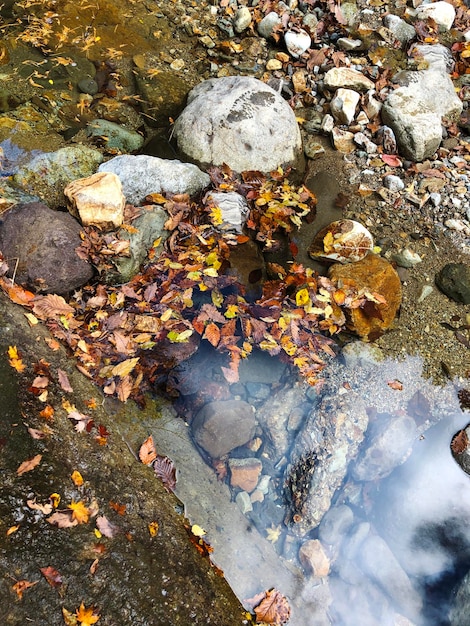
39	245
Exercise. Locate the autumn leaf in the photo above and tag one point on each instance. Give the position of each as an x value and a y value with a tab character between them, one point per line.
47	413
16	293
64	381
273	533
119	508
22	585
77	478
15	359
153	528
165	469
86	616
80	513
105	527
212	334
62	519
29	465
44	508
125	367
12	530
147	452
395	384
273	609
51	306
53	577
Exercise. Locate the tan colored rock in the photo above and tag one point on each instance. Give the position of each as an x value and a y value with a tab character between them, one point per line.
373	274
244	473
343	140
97	200
313	558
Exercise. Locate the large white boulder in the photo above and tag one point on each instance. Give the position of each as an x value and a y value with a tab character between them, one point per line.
240	121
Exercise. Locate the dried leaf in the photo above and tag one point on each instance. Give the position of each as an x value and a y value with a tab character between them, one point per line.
64	381
395	384
62	519
22	585
12	530
273	609
459	442
165	469
29	465
391	159
105	527
77	478
212	334
51	306
44	508
40	382
53	577
153	528
147	451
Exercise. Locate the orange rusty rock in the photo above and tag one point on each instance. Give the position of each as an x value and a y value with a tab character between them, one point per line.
373	274
244	473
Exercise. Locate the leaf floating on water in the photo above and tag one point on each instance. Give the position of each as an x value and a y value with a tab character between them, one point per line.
165	470
273	609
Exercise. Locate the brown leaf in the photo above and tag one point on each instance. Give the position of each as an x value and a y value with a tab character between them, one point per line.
22	585
51	305
29	465
147	452
40	382
459	442
273	609
105	527
64	381
44	508
165	469
53	577
212	334
62	519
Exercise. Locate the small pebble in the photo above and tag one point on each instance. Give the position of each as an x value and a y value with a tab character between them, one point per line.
394	183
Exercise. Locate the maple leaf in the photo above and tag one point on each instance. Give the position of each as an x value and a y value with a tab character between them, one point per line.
273	533
80	513
86	616
21	585
29	465
147	451
15	360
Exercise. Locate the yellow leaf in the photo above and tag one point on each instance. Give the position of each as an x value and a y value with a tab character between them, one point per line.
125	367
182	337
79	512
55	499
85	616
77	478
231	311
153	528
302	297
210	271
273	533
197	530
32	319
217	298
12	529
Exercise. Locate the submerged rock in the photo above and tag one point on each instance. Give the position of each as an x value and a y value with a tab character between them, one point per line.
375	274
44	242
219	427
454	281
345	241
240	121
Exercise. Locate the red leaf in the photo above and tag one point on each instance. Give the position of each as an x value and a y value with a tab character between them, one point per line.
53	577
391	159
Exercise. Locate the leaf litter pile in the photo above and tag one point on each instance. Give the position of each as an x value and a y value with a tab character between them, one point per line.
128	337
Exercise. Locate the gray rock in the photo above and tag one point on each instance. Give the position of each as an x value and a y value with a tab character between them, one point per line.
297	42
44	242
141	175
348	78
459	613
242	19
114	136
149	227
319	461
379	562
234	209
394	183
389	445
221	426
443	13
400	29
47	174
163	96
268	23
335	525
454	281
415	110
240	121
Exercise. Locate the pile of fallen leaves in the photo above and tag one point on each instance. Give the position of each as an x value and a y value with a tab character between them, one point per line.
126	337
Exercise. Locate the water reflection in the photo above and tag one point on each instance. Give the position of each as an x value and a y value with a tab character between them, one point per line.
395	535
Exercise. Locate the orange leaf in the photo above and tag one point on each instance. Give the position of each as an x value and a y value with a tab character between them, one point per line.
119	508
395	384
147	452
212	334
47	413
17	294
22	585
51	305
85	616
391	159
29	465
80	512
77	478
273	609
